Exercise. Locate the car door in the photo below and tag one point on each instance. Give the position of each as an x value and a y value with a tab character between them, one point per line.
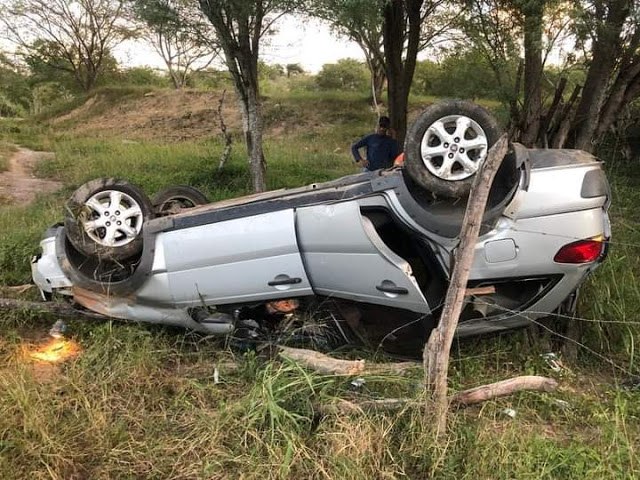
240	260
345	257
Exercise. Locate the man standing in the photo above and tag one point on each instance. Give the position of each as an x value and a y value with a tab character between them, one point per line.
382	149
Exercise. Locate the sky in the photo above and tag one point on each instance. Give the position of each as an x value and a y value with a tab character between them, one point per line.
309	43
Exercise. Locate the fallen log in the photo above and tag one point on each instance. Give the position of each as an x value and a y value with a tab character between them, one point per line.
321	363
462	399
326	365
503	388
53	308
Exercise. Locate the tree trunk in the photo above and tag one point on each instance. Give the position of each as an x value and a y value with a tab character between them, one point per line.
624	90
606	49
436	351
532	72
253	137
393	37
561	131
401	26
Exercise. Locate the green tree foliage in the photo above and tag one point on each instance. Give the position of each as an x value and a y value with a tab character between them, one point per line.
294	69
212	79
462	74
361	22
14	89
72	36
267	71
48	95
346	74
142	76
47	63
180	34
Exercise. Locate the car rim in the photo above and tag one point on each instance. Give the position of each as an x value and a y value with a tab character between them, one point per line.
113	218
176	204
454	147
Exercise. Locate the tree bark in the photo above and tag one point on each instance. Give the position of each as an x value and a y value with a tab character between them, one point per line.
560	133
402	22
327	365
606	49
462	399
253	136
436	351
547	119
378	78
624	90
532	72
504	388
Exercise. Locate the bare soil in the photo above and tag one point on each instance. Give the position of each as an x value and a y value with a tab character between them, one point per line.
167	115
179	115
18	185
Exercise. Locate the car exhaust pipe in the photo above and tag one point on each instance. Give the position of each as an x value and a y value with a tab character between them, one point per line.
480	309
218	323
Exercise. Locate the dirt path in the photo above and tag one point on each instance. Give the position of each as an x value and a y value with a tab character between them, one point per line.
18	185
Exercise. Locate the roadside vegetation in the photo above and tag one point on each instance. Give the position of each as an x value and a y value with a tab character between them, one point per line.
145	402
141	401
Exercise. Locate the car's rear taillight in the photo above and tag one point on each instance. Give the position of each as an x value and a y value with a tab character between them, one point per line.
582	251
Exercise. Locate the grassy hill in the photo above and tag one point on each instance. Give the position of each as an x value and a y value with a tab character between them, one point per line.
143	401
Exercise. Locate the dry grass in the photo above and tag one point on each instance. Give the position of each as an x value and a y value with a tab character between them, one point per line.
143	403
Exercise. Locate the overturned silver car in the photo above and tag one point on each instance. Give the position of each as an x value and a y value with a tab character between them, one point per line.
375	249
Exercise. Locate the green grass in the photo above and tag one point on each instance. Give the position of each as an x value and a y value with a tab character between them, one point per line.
141	401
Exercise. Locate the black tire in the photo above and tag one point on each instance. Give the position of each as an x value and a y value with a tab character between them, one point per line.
416	166
173	199
88	241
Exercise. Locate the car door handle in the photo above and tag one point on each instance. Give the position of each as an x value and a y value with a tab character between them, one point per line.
392	289
284	281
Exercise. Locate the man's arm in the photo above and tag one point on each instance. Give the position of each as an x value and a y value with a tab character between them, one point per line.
357	146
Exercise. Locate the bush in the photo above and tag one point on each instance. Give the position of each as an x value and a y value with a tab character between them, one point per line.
143	76
465	74
267	71
49	95
347	74
211	79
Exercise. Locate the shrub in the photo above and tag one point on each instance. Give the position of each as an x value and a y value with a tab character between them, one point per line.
347	74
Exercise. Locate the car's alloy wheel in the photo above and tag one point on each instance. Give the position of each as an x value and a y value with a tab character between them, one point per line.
105	218
447	144
453	147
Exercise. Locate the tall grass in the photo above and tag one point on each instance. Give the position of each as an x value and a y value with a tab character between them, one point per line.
142	402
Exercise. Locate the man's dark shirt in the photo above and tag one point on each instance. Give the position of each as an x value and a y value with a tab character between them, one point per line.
381	150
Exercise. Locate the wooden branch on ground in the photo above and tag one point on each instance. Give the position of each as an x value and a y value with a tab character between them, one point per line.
462	399
504	388
18	288
326	365
52	308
